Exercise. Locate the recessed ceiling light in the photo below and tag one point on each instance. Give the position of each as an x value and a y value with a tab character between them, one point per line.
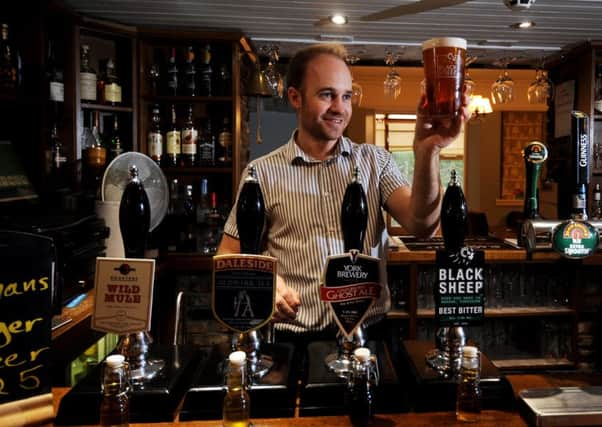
524	24
338	19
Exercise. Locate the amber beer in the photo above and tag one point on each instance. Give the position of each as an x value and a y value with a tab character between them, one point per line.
444	59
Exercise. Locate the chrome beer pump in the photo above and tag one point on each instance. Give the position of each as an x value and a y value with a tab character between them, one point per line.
354	220
573	238
446	358
250	220
134	223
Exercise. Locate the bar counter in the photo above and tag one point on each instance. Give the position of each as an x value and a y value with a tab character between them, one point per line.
491	418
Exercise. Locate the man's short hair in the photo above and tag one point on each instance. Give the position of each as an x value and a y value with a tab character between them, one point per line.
297	66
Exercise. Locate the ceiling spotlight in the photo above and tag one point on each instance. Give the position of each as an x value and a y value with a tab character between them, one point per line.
523	25
519	4
338	19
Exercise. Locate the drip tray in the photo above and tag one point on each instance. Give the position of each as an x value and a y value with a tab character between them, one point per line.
323	392
272	396
436	243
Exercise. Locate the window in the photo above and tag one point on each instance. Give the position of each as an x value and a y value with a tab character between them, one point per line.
395	132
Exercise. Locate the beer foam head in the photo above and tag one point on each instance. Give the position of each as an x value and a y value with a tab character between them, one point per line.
237	357
444	42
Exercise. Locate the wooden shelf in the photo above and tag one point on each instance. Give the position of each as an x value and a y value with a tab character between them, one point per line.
511	312
109	108
533	363
398	314
186	99
197	170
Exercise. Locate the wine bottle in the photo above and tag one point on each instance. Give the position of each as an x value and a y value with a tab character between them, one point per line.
354	214
190	73
189	140
134	216
454	215
206	71
87	76
173	145
250	214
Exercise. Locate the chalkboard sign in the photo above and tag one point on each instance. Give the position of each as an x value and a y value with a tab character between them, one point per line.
26	280
459	289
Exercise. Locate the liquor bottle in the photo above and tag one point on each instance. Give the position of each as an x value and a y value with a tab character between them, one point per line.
190	73
189	140
204	205
206	149
236	409
87	76
173	145
250	214
8	63
56	158
115	403
112	87
454	215
187	239
134	216
213	228
468	398
56	87
173	214
94	153
206	71
115	148
596	205
172	74
354	214
155	138
223	84
225	140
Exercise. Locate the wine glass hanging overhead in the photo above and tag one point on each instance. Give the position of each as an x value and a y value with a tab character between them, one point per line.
392	82
357	93
468	80
541	90
502	90
272	75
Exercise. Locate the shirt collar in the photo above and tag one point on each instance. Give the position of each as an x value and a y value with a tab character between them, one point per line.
294	153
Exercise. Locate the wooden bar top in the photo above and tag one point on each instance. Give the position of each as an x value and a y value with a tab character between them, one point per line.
411	419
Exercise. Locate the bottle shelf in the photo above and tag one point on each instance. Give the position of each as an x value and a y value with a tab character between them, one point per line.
109	108
398	314
533	363
536	311
197	170
186	99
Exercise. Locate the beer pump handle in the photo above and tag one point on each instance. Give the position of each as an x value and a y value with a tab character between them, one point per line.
134	216
354	214
534	153
454	215
580	158
250	214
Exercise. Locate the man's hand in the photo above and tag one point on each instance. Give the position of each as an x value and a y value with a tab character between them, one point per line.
438	133
287	302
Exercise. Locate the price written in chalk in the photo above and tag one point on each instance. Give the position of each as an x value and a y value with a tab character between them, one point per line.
24	347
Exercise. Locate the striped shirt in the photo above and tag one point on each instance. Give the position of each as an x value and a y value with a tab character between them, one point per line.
303	199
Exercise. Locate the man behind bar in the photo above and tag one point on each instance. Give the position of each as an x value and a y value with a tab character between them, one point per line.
304	180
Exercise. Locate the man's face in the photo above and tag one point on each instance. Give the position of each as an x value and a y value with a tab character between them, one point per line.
323	102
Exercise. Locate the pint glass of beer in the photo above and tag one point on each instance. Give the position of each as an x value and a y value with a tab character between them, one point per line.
444	59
